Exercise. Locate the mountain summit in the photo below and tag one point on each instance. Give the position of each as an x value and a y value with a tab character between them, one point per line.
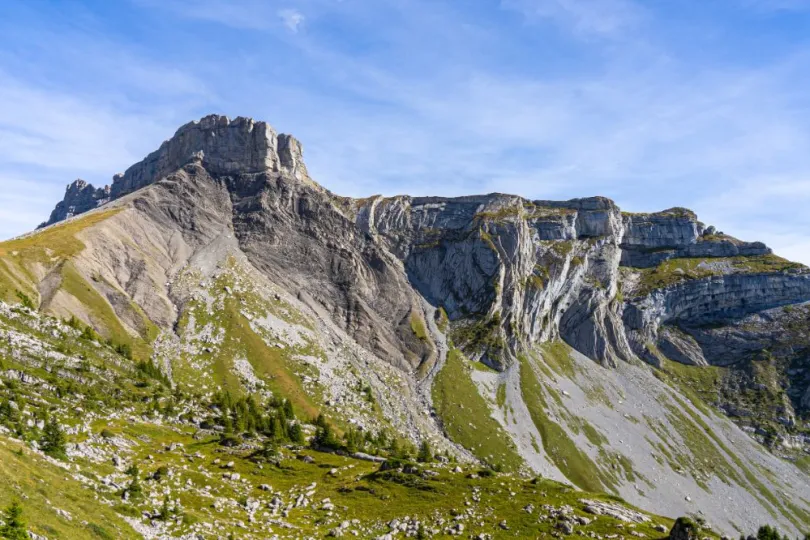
222	145
644	355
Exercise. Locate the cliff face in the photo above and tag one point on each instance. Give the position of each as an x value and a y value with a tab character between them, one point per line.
386	281
223	146
507	271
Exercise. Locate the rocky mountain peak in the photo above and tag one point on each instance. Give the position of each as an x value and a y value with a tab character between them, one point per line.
80	197
225	147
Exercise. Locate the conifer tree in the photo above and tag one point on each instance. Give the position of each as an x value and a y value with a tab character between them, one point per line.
14	528
53	440
425	452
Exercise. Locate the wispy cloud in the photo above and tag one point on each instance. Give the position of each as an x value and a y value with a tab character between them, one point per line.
292	19
605	18
106	111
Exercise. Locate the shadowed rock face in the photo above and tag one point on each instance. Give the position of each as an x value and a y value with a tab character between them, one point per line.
80	197
508	272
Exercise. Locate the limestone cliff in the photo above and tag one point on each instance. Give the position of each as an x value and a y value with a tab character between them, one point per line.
391	278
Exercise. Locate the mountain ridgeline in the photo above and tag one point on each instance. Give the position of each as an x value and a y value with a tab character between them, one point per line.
645	356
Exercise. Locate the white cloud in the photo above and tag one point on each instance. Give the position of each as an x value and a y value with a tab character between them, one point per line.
605	18
292	19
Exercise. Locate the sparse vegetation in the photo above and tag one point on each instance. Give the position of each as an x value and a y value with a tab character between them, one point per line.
467	417
677	270
556	442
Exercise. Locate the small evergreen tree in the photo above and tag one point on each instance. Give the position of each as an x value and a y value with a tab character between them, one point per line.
53	440
766	532
425	452
14	528
354	440
289	413
165	510
7	412
73	322
324	435
89	334
134	490
276	429
296	433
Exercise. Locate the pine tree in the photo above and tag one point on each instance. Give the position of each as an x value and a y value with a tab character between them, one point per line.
7	412
296	433
89	334
276	429
53	440
289	413
425	452
134	490
325	437
165	510
14	528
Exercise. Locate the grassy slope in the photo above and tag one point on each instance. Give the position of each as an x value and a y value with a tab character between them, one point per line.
559	447
467	417
707	453
357	488
274	365
45	249
42	488
24	260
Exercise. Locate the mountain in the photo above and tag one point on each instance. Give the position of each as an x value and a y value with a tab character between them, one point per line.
214	291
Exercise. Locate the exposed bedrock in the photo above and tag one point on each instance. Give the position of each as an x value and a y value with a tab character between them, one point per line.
223	146
80	197
706	301
512	271
650	239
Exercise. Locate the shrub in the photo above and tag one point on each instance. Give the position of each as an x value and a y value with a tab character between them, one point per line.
766	532
89	334
26	301
125	350
161	473
685	529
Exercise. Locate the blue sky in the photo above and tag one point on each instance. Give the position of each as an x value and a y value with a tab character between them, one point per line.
660	103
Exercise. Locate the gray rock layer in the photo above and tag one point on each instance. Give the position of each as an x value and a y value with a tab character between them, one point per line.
510	270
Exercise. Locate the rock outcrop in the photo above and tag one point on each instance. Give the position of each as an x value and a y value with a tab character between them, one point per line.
225	147
80	197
